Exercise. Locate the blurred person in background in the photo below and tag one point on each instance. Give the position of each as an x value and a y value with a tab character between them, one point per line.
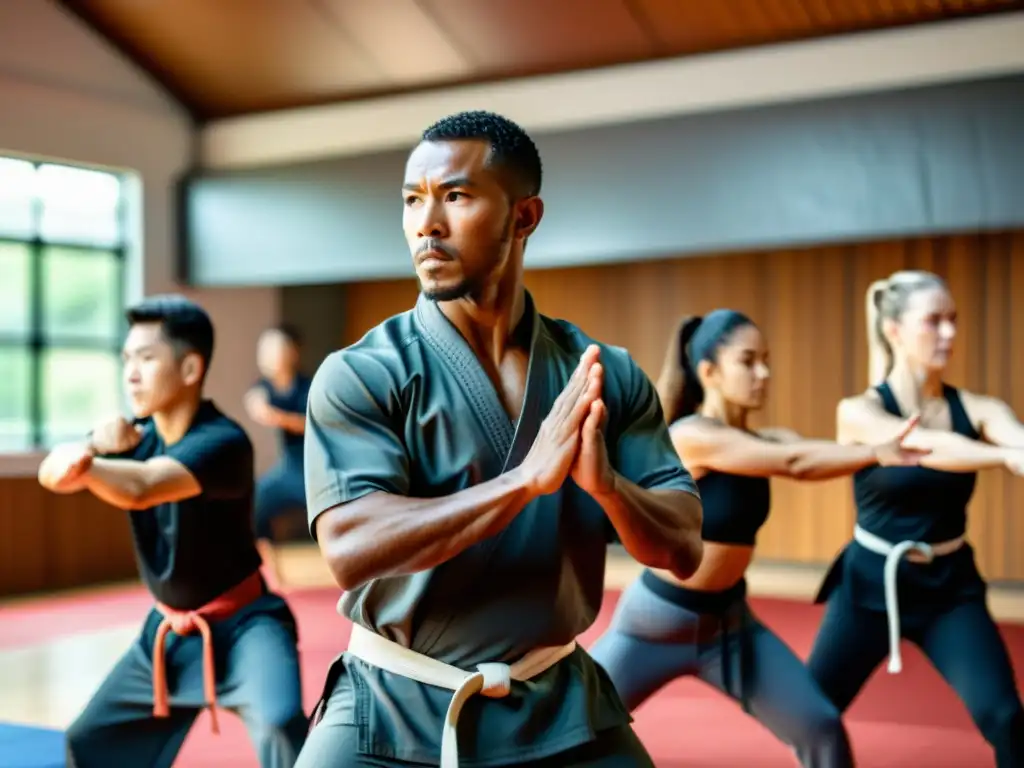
278	401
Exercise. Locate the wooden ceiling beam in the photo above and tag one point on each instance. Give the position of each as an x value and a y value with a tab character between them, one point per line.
222	58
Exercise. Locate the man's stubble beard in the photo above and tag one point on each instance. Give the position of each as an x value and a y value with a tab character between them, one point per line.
471	286
466	287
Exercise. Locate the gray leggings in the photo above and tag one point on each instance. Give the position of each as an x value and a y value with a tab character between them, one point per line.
661	631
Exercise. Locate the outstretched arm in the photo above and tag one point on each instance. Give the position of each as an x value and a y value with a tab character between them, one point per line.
781	452
862	419
132	485
211	459
998	423
124	483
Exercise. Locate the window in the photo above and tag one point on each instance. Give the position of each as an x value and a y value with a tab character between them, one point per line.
62	288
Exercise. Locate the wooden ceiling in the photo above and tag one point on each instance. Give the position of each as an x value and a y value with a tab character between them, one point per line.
223	58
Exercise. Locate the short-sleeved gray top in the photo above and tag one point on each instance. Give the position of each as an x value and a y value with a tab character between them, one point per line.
409	410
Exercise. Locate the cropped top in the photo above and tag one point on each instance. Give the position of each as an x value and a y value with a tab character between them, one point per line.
735	507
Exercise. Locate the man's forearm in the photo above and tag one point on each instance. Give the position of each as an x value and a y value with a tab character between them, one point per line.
659	528
52	470
120	482
385	535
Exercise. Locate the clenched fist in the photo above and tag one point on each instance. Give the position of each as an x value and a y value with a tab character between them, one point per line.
115	436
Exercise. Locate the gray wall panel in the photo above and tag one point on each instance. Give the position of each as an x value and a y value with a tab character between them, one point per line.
924	161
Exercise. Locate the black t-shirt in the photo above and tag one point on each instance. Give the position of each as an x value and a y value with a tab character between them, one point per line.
191	551
292	400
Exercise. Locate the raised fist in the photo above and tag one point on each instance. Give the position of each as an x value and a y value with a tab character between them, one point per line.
115	436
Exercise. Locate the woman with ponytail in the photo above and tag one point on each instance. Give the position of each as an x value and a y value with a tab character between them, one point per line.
909	572
715	374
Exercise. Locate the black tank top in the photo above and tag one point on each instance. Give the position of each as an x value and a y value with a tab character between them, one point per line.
916	503
735	507
919	504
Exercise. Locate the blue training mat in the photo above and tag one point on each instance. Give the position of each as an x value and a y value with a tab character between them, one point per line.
25	746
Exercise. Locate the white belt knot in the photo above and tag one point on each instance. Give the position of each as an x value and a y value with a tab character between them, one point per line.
914	551
491	679
496	680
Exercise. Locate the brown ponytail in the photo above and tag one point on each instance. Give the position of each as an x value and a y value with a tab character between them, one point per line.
676	378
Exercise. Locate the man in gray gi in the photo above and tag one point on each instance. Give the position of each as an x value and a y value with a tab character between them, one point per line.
467	463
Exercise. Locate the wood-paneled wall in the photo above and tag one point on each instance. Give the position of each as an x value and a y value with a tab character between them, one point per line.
50	542
810	303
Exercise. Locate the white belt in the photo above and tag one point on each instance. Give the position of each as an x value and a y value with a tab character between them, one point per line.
915	552
491	679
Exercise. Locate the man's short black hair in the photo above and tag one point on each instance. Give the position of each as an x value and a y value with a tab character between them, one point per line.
512	149
289	331
185	324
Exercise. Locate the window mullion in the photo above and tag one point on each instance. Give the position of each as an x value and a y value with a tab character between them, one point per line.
36	335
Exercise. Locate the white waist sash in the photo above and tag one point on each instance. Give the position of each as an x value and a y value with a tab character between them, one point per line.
915	552
490	679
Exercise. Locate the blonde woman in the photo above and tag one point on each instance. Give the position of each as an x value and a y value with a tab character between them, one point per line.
910	572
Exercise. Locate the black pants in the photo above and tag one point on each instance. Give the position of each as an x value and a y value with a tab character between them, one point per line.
964	645
281	490
257	677
335	746
334	741
653	639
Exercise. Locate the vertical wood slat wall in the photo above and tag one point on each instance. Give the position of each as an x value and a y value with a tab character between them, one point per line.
810	303
50	542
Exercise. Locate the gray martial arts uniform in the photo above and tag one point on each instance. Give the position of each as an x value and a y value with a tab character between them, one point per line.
409	410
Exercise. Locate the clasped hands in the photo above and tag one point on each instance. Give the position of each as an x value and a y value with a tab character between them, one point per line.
570	441
64	470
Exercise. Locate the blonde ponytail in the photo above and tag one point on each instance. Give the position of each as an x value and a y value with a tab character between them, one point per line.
879	352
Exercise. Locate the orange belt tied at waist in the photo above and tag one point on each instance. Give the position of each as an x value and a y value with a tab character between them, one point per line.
185	623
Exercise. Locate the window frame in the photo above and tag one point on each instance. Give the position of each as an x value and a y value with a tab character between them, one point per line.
36	341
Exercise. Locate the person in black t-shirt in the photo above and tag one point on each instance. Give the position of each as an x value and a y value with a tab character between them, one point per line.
278	400
216	636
